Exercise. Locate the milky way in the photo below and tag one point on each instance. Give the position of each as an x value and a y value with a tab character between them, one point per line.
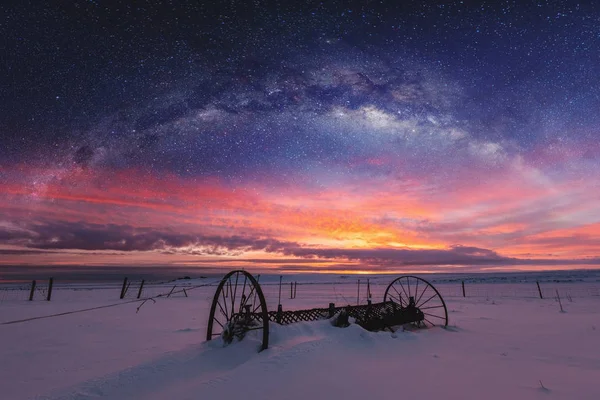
316	136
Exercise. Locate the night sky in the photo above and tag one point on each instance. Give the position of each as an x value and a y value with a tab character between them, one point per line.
303	136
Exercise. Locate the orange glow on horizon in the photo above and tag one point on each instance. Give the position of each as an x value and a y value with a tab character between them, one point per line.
508	217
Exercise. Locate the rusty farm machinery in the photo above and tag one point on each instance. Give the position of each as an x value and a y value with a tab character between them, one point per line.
239	306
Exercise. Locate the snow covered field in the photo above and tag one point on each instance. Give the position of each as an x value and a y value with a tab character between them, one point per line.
495	348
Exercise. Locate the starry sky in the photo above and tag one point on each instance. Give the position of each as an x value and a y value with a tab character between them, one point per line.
301	136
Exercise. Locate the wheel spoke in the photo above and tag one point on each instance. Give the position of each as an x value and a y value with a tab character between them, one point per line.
422	293
392	297
225	303
417	290
435	316
255	292
399	295
221	307
432	324
427	308
243	294
217	321
404	290
249	295
427	301
221	324
234	293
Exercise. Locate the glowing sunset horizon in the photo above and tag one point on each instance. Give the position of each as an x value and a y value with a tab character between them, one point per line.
79	216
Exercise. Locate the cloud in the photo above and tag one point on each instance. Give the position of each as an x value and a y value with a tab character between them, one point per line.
14	252
88	236
453	255
95	237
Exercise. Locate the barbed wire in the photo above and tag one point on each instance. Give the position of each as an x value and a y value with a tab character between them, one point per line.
142	300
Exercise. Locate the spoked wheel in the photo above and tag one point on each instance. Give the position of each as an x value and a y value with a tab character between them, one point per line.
411	291
238	307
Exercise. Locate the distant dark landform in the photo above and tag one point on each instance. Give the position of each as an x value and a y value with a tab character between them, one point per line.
166	274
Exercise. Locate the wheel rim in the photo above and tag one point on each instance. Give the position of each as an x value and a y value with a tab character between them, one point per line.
238	307
426	298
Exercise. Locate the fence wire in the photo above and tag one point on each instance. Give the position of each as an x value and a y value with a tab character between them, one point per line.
319	293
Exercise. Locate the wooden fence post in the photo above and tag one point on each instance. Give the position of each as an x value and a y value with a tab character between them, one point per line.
539	289
280	279
358	293
50	283
32	291
141	287
123	288
295	287
463	287
559	302
331	310
291	290
169	295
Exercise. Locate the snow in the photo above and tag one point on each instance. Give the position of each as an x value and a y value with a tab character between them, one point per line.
494	348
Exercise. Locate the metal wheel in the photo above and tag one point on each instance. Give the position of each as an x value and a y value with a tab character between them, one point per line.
238	307
412	291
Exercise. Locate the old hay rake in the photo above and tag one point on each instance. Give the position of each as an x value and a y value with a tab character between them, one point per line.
239	306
